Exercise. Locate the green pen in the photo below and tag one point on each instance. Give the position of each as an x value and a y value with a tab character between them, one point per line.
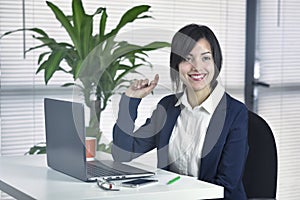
173	180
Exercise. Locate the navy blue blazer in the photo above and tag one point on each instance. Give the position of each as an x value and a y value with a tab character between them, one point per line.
225	147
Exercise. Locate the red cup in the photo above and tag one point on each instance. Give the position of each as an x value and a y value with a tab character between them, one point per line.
90	146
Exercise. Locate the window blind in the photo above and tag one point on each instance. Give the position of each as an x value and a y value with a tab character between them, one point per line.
22	92
278	53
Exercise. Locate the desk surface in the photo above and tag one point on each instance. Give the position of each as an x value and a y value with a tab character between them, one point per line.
28	177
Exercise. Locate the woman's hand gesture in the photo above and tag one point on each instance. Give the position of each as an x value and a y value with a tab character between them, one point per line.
141	88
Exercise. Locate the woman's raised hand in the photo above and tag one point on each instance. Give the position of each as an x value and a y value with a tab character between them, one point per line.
141	88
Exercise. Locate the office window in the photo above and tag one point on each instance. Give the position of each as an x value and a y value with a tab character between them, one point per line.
22	91
278	49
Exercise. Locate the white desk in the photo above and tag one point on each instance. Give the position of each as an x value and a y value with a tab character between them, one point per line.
28	177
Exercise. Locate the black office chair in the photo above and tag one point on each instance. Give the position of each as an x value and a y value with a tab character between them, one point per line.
260	175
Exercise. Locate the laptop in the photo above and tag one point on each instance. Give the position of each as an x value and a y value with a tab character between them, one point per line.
65	139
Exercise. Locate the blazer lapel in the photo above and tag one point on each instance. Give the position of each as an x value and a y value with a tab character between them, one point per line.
215	127
165	134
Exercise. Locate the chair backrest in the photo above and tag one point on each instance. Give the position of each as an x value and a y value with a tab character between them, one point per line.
260	175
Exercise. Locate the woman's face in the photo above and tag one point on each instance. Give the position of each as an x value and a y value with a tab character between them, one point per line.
197	70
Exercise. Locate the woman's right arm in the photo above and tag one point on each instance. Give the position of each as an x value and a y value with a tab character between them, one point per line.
126	143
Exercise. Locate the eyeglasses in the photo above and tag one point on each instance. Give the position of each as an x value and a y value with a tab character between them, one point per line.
106	185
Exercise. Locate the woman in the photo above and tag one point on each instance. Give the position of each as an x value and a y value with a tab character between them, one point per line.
199	132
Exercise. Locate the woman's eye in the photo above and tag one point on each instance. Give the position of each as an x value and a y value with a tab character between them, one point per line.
188	59
206	58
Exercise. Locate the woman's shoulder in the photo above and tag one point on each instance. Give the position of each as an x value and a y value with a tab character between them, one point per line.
170	99
234	103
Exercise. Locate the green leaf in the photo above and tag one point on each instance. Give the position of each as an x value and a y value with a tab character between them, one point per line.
61	17
81	28
86	35
127	70
51	43
78	15
124	67
46	40
77	70
37	30
62	69
53	64
98	11
102	25
125	50
129	16
141	58
36	47
39	148
42	55
156	45
42	66
68	84
145	16
109	44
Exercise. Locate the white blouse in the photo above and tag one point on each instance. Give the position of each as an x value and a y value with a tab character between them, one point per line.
187	139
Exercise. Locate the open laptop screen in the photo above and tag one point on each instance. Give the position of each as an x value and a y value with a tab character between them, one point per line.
65	136
65	145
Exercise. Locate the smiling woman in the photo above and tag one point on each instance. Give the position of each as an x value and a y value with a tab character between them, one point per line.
200	132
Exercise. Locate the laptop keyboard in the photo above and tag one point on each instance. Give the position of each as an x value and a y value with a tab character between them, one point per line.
101	170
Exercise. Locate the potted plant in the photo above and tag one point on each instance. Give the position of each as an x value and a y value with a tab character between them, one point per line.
97	62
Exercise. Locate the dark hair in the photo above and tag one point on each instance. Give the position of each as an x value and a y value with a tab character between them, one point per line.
184	41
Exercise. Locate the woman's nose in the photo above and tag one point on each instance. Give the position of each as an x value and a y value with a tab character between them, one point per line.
197	65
